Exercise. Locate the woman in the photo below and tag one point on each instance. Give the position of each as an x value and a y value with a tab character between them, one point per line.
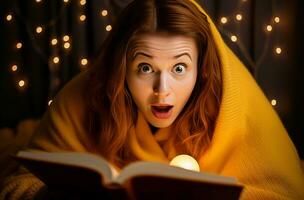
165	84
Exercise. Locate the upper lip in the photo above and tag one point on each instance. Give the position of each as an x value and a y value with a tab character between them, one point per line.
161	104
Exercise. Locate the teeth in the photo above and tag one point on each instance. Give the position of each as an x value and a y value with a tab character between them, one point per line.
162	108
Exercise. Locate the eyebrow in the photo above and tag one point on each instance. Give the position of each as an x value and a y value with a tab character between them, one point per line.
149	56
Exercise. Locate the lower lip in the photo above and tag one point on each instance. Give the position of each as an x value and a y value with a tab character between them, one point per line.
162	115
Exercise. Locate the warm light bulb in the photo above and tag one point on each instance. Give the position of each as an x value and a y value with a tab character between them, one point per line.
39	29
224	20
276	19
9	17
278	50
269	28
104	13
54	41
21	83
82	17
108	28
273	102
38	1
233	38
239	17
66	1
66	38
14	68
19	45
66	45
186	162
83	2
50	102
56	59
84	61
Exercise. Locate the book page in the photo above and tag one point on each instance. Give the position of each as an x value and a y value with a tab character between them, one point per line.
158	169
84	160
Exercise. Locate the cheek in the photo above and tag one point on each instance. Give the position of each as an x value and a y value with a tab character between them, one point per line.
184	89
139	90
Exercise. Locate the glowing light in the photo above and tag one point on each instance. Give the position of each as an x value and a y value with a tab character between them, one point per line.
38	1
66	45
239	17
278	50
66	38
108	28
21	83
83	2
84	61
104	13
50	102
276	19
56	59
269	28
14	68
233	38
82	17
224	20
39	29
54	41
273	102
66	1
19	45
186	162
9	17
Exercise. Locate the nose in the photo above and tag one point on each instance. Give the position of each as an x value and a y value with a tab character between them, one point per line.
161	86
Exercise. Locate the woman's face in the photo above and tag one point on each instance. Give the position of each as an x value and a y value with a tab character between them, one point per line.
161	75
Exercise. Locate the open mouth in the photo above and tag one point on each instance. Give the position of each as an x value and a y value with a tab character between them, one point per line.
162	111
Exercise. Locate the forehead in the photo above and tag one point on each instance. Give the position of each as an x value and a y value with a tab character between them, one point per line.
164	44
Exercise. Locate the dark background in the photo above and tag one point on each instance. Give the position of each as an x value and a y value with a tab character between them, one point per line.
279	75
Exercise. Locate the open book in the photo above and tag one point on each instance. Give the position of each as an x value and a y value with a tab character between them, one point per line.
138	180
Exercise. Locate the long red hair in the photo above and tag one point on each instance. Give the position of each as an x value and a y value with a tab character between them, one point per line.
111	110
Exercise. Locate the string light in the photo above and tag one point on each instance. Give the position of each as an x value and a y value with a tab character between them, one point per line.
21	83
278	50
277	20
19	45
104	13
84	61
239	17
224	20
9	17
66	38
66	45
39	29
269	28
83	2
54	41
82	17
108	28
233	38
14	68
50	102
56	60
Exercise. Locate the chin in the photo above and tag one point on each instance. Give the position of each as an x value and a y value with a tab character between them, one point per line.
161	123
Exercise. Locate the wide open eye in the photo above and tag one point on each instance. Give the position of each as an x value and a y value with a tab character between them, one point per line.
179	69
145	68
